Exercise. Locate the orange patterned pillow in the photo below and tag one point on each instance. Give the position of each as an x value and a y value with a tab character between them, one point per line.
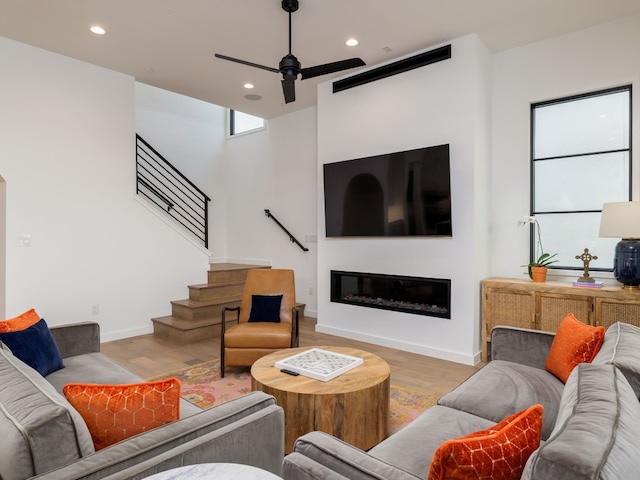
21	322
497	453
115	412
574	343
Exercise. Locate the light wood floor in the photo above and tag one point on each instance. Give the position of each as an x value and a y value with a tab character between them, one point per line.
150	356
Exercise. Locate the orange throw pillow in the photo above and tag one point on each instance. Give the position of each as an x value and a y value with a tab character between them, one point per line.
497	453
574	343
115	412
21	322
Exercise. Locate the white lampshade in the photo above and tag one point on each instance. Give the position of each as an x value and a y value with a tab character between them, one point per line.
620	220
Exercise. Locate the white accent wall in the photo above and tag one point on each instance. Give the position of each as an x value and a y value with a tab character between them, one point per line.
275	169
585	61
446	102
189	134
67	155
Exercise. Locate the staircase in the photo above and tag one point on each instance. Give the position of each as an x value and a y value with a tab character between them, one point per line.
199	316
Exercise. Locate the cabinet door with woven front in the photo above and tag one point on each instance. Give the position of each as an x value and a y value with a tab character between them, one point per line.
610	310
515	308
552	308
509	307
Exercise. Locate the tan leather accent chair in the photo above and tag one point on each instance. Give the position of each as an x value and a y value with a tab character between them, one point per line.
252	338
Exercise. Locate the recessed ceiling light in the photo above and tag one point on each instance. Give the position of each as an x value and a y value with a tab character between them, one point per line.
248	85
253	96
98	30
352	42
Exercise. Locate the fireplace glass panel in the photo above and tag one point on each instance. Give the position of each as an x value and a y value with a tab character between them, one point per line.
417	295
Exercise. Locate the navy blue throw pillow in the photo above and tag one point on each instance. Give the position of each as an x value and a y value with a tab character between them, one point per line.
35	347
265	308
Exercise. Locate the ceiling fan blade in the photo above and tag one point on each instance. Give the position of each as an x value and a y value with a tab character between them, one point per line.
244	62
332	67
289	89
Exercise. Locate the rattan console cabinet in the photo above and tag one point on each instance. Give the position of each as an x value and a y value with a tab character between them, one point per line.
542	306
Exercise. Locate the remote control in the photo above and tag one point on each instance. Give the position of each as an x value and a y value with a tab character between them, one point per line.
289	372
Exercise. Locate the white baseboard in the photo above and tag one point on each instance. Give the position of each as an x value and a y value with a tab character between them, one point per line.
404	346
133	332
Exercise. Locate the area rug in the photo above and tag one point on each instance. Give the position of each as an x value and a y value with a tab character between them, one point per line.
202	386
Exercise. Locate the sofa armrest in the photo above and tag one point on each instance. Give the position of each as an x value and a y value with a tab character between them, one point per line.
521	345
298	467
317	453
77	338
248	430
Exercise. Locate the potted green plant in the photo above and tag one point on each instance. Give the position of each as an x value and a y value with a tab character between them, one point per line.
537	269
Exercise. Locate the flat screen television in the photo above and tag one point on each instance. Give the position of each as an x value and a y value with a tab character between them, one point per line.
392	195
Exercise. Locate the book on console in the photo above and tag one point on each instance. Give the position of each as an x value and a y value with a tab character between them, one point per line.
587	284
319	364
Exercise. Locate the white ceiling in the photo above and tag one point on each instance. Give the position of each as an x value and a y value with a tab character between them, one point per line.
170	43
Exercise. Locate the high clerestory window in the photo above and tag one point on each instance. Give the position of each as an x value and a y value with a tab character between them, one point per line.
240	123
580	159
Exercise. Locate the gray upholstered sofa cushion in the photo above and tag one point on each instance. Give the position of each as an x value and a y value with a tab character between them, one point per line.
502	388
406	455
596	436
412	448
621	347
98	368
91	368
40	430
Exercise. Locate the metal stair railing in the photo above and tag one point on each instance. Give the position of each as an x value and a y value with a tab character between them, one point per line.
166	187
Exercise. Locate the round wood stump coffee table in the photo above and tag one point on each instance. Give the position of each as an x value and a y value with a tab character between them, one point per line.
353	406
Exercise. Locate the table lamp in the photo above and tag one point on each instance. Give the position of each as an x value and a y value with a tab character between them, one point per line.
622	220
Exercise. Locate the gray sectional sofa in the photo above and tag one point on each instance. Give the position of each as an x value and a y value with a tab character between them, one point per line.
43	437
591	424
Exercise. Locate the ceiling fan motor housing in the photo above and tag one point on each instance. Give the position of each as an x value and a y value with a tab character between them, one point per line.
289	66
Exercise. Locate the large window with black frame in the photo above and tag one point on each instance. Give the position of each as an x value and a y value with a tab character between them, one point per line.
580	159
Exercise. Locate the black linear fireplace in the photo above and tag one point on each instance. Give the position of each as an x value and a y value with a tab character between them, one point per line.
422	296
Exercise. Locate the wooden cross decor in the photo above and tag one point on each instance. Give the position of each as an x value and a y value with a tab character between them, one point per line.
586	258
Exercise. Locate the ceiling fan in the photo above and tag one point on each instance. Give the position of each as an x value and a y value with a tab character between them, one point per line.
290	67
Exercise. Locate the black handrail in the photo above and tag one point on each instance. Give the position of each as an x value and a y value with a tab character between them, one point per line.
162	183
291	237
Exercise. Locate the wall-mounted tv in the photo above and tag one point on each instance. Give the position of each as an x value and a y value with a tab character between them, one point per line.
392	195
